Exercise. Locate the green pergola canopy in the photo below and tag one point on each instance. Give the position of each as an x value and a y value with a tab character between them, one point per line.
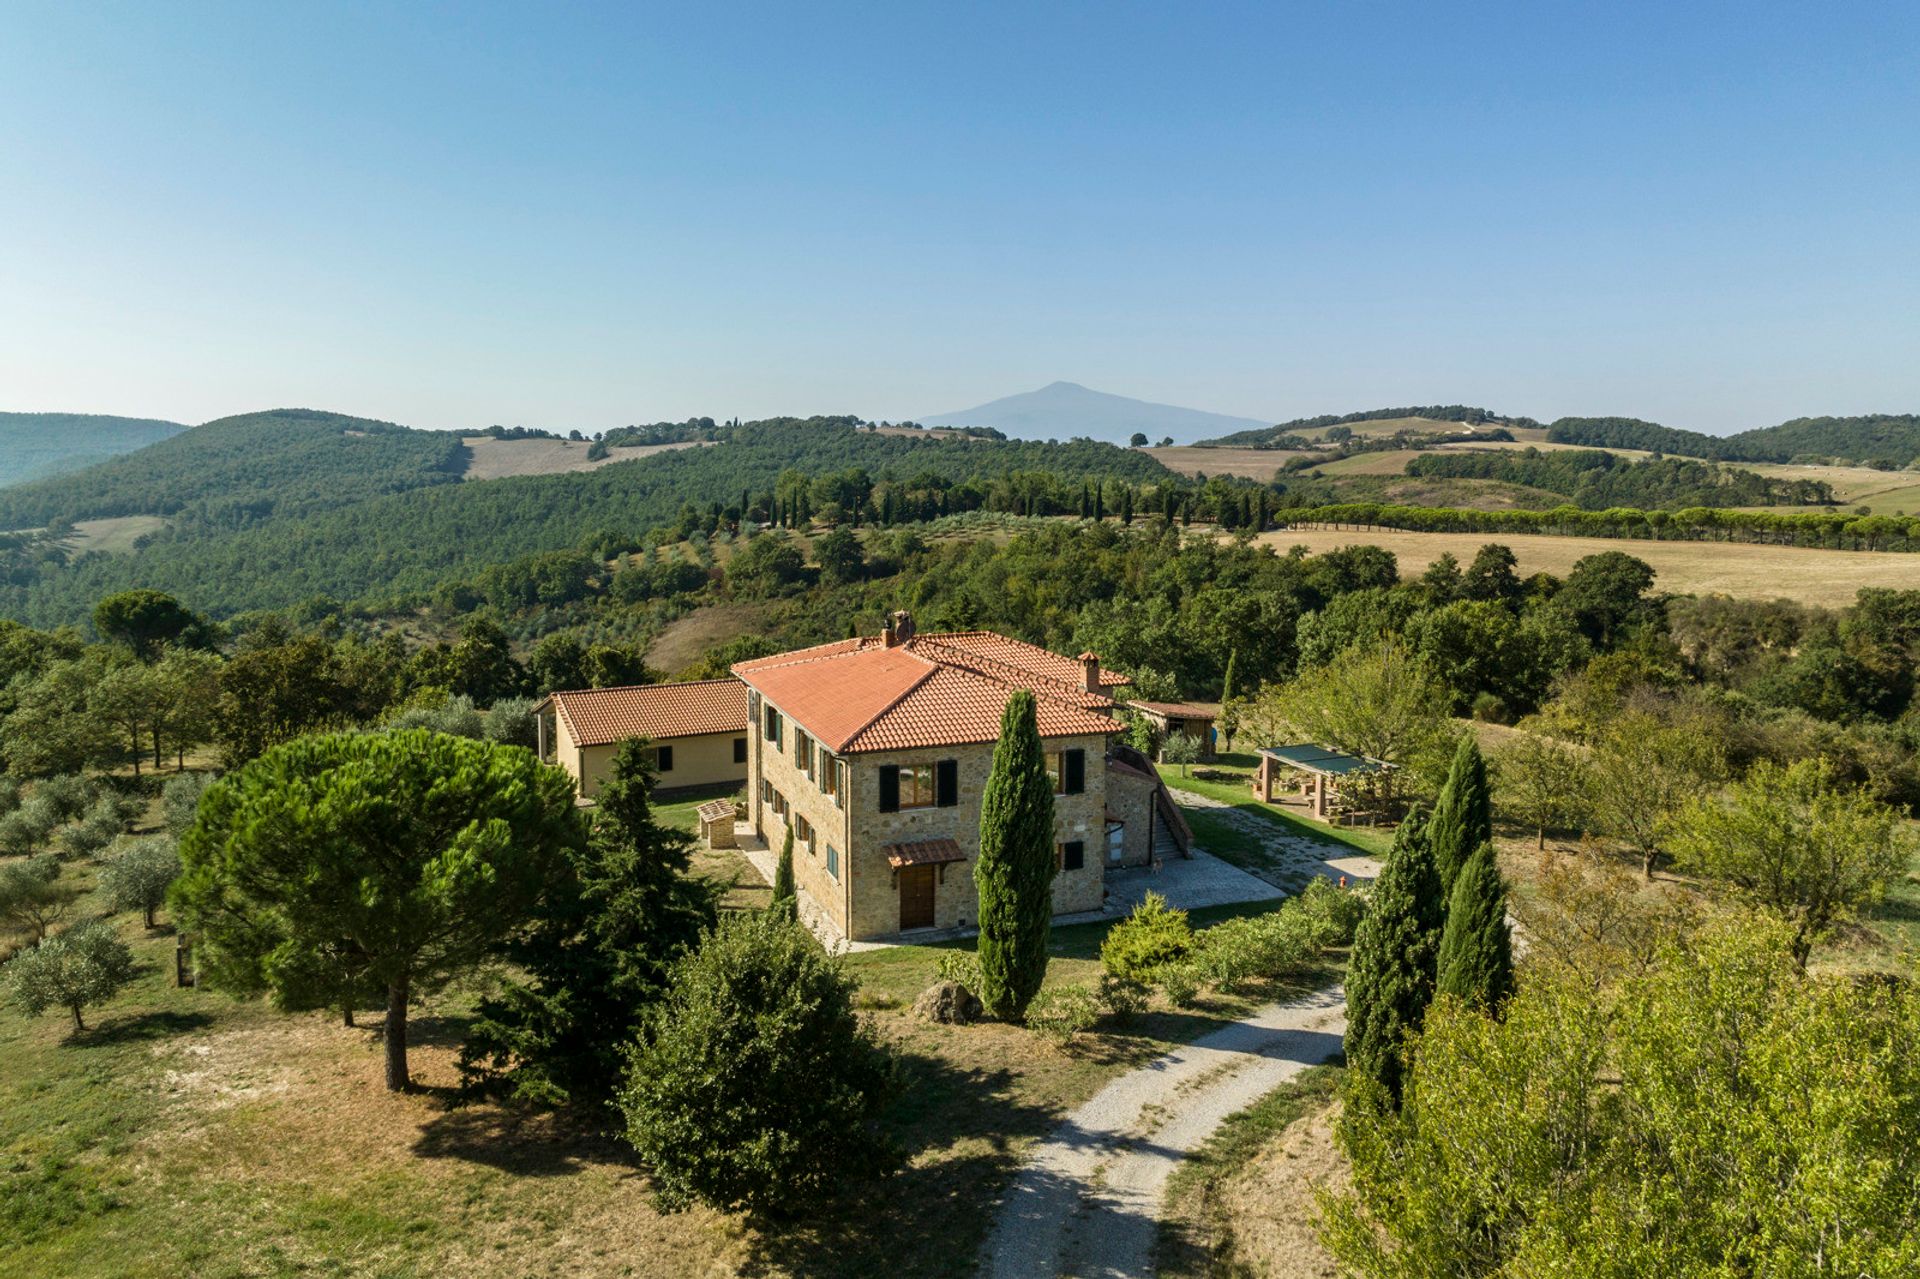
1320	759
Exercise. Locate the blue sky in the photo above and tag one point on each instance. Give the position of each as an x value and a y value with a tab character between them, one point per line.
582	216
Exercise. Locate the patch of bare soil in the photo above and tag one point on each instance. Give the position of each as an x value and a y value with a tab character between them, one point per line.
1272	1220
491	459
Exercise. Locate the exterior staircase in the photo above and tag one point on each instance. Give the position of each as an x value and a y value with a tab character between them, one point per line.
1172	837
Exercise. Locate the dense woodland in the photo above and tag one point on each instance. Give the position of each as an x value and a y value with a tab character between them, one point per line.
35	445
1596	480
1887	440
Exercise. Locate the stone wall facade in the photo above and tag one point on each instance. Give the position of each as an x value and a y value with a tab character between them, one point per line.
857	887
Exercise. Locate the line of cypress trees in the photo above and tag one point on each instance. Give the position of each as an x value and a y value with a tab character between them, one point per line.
1462	815
1391	973
1476	950
1014	875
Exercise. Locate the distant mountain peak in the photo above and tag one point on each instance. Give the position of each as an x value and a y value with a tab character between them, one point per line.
1063	410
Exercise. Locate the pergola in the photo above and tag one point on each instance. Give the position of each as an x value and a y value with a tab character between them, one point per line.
1325	773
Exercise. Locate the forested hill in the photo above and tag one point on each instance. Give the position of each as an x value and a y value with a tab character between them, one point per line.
33	445
1885	439
241	469
392	544
1877	439
1596	479
1271	436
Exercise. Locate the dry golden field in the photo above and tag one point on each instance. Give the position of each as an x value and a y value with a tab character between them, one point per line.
1829	578
1252	464
491	459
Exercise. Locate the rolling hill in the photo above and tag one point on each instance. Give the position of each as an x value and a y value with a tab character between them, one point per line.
34	445
273	509
1426	417
242	469
1875	439
1066	410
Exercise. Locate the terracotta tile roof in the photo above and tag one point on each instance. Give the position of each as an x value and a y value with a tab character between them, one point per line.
1177	710
599	716
1128	770
923	852
1030	657
859	695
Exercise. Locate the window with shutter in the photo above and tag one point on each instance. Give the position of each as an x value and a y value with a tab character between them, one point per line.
665	756
947	785
1071	855
1076	772
739	750
889	788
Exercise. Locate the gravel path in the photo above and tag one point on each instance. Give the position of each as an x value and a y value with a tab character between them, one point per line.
1291	857
1087	1203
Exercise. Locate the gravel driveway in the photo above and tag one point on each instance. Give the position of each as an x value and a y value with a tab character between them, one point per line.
1087	1203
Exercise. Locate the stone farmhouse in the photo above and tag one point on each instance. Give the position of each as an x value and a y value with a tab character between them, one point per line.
875	750
698	730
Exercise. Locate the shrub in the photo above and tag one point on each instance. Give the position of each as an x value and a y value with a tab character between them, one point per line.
180	800
1491	708
962	966
9	794
1339	910
1152	936
1062	1012
138	878
84	965
754	1084
1275	945
1123	997
1181	984
456	717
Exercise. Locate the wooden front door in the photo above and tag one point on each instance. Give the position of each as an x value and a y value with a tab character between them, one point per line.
916	897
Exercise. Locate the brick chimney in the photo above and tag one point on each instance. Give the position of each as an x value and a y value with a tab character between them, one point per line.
888	637
1090	671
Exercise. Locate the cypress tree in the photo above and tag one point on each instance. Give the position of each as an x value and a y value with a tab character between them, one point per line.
1463	815
1226	681
1476	950
785	900
1014	875
1390	975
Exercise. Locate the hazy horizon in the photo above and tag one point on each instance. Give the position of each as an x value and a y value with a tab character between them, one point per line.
1697	215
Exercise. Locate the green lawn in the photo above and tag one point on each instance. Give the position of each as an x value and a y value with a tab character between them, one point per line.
1239	795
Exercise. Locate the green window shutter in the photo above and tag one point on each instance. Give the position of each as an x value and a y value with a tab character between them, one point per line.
946	783
889	788
1076	778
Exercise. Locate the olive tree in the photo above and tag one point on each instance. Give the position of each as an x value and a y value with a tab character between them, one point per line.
73	969
401	858
138	878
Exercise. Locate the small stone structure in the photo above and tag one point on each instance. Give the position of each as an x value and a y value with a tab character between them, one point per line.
948	1003
716	824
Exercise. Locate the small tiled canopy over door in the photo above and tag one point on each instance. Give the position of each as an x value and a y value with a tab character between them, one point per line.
916	896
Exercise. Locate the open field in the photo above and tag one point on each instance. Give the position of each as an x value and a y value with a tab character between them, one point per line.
1252	464
1386	462
114	536
1830	578
491	459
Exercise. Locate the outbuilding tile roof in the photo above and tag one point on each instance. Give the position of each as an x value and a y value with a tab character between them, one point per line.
1175	710
599	716
927	690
